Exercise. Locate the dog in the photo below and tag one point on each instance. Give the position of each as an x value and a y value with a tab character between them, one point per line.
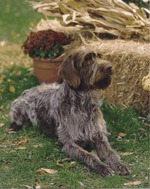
70	112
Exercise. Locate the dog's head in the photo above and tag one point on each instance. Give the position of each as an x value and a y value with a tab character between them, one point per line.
86	71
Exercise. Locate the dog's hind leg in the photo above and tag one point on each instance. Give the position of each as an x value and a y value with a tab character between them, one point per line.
74	151
13	127
18	122
19	118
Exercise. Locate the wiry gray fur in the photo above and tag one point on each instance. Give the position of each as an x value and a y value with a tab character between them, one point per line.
70	111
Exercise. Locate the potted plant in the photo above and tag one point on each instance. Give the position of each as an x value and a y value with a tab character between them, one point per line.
46	47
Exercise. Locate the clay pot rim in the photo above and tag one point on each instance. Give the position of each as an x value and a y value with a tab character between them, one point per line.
48	60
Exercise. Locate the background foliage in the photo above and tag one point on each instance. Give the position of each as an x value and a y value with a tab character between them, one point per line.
139	3
16	17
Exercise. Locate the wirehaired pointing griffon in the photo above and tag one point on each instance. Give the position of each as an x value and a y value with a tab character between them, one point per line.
71	112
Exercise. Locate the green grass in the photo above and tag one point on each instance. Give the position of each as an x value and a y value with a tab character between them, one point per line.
26	151
23	153
18	77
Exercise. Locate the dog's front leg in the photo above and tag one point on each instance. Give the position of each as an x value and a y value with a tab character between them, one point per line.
110	157
74	151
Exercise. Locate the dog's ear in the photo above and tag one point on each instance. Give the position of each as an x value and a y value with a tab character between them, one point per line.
69	73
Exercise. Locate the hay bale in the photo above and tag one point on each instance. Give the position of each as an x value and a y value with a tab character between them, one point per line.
146	82
130	61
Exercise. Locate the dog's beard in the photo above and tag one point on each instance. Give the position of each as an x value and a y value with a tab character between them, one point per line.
96	83
103	83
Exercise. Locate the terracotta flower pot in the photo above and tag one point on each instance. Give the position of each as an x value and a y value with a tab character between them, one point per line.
47	70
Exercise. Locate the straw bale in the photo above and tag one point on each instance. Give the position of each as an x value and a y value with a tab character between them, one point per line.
146	82
130	62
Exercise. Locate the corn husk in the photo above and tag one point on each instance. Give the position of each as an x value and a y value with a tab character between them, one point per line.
97	17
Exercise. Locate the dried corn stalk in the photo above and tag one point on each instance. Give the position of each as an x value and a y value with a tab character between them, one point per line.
91	18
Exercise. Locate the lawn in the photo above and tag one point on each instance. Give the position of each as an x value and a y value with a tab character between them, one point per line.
28	159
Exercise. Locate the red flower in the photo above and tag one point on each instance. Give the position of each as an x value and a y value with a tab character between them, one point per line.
45	44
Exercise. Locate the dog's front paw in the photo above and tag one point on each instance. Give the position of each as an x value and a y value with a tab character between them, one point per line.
104	170
119	168
122	169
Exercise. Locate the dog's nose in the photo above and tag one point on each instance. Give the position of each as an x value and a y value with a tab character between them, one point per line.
108	68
